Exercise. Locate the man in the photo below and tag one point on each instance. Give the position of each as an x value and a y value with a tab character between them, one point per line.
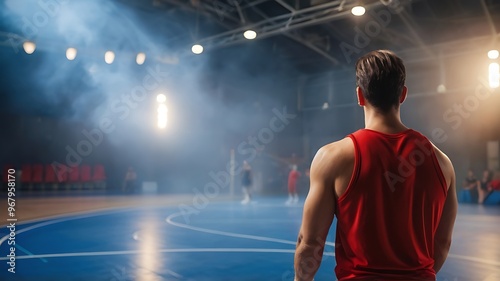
471	184
293	177
130	182
392	191
483	186
246	182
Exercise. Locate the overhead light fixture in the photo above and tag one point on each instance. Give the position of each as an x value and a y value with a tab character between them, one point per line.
29	47
71	53
250	34
109	57
441	88
493	54
358	10
161	98
140	58
197	49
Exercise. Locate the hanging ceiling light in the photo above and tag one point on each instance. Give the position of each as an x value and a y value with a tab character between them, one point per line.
71	53
197	49
140	58
250	34
493	54
109	57
358	10
29	47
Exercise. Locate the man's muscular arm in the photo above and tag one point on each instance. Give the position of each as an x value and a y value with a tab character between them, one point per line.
318	215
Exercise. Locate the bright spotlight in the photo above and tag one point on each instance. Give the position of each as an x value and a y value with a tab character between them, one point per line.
109	57
441	88
162	109
71	53
358	11
162	124
29	47
493	54
162	112
161	98
494	75
197	49
250	34
141	58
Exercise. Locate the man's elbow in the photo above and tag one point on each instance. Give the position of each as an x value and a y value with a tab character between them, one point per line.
443	243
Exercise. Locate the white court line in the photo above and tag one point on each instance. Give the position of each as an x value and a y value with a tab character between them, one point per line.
63	219
137	252
231	234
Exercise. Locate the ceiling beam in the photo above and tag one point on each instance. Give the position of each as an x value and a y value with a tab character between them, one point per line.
490	20
286	6
305	43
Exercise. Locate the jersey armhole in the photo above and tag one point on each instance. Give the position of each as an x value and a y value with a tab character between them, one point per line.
439	171
355	170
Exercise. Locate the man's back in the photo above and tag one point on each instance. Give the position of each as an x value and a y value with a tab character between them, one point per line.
392	191
388	213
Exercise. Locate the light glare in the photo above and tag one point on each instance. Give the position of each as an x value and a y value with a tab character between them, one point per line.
197	49
29	47
494	75
141	58
493	54
71	53
250	34
162	111
161	98
109	57
358	11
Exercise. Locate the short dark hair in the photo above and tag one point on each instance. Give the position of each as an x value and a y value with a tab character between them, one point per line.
381	76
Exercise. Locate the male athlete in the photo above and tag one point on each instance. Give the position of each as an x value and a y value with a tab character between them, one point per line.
392	191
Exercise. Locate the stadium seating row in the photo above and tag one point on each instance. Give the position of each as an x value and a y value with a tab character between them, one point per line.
40	175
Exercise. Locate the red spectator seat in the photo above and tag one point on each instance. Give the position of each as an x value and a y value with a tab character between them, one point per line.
37	175
27	174
50	174
85	174
99	174
495	185
74	174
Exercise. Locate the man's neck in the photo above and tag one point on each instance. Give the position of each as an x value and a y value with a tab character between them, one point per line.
389	122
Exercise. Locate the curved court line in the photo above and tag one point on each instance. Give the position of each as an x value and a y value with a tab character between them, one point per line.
65	218
231	234
188	250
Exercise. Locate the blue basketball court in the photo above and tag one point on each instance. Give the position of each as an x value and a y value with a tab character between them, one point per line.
223	241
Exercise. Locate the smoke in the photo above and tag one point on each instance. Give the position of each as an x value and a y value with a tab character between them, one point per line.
215	100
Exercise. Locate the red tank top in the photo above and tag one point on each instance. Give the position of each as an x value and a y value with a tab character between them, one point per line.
388	215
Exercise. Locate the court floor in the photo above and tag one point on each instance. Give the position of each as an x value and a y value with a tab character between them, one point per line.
216	241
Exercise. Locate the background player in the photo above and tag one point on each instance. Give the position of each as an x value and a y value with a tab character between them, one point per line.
246	182
293	177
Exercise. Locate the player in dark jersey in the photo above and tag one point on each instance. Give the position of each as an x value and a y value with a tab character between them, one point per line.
471	184
391	190
484	186
246	182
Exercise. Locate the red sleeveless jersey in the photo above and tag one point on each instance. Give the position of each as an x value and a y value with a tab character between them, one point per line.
391	209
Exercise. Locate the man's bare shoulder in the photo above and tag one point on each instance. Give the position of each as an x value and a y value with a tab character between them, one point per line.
336	153
445	164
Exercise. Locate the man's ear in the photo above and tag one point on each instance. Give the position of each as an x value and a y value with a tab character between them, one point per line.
404	93
361	98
